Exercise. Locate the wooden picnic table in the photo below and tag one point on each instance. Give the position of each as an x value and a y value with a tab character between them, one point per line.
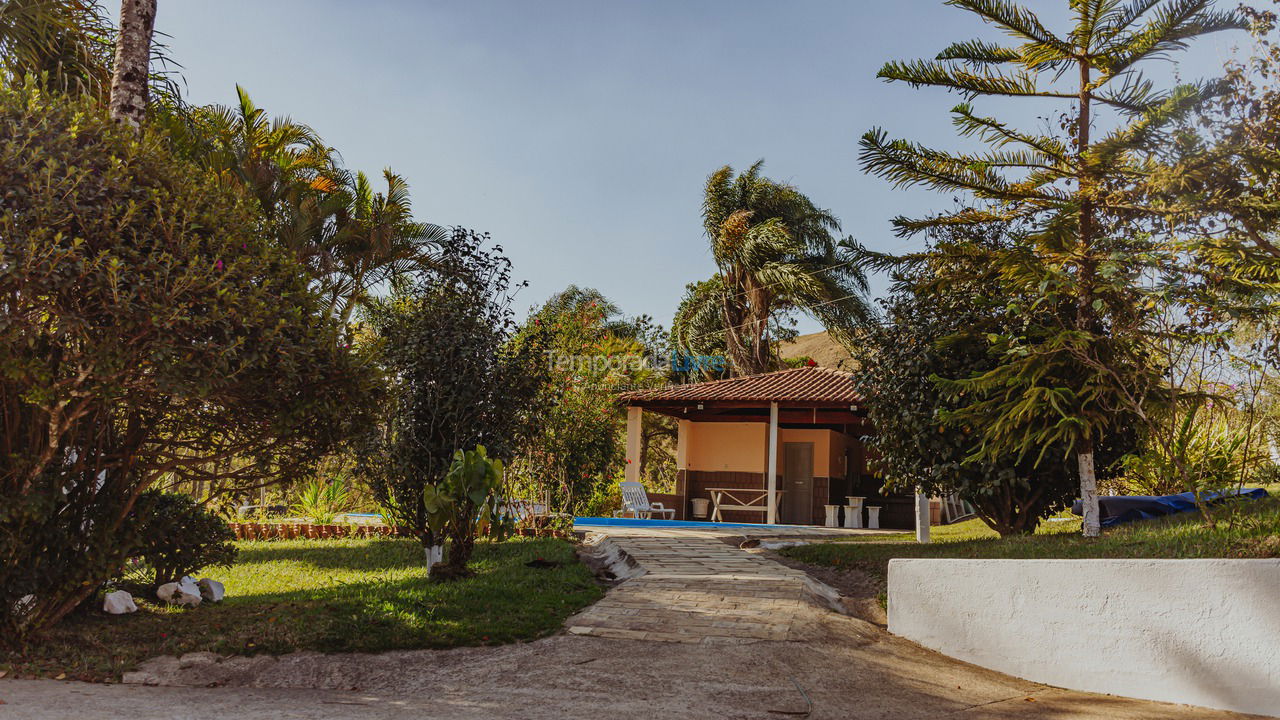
745	499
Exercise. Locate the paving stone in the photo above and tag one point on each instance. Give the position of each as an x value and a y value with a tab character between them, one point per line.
696	588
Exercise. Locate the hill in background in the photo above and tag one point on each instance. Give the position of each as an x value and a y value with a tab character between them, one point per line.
821	347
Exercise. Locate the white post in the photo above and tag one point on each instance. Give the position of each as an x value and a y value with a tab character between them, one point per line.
682	444
634	416
772	500
922	518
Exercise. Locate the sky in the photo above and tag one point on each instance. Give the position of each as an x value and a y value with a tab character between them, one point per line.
579	133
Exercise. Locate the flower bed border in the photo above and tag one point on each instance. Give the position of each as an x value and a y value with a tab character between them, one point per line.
312	531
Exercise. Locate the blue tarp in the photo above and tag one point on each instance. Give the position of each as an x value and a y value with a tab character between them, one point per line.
1118	509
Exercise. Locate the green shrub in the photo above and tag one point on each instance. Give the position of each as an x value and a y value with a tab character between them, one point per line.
1194	453
605	500
465	505
459	382
323	500
150	329
178	537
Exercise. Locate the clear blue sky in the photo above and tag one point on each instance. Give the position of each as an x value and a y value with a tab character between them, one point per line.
579	132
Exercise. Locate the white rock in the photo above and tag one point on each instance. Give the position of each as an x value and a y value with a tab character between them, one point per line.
119	603
24	604
188	585
179	594
211	590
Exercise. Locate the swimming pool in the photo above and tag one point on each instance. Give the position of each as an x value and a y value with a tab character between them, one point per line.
362	518
635	522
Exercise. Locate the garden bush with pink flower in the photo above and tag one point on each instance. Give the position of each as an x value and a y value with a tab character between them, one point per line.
151	330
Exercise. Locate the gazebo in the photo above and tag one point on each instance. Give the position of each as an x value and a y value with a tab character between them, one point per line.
776	447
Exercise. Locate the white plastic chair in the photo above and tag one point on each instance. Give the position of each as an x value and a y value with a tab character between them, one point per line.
636	501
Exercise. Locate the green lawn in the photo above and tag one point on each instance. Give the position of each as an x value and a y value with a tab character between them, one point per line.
1248	529
330	595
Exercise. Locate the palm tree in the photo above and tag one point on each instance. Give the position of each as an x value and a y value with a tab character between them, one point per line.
375	240
275	161
350	237
131	77
66	41
775	252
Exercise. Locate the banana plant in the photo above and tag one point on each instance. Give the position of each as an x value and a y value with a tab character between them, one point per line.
464	506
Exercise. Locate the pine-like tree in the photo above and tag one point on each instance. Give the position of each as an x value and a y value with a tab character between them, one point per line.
1093	250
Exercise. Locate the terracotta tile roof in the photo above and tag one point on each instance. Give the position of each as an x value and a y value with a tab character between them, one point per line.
797	385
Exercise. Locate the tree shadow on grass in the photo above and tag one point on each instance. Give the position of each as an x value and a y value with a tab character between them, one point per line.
505	602
388	553
375	554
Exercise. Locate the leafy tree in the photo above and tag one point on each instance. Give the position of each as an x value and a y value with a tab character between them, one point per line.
936	326
698	332
458	382
68	46
1220	179
775	253
592	353
149	333
1092	246
698	326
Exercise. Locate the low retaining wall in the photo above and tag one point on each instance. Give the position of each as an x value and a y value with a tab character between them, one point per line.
1201	632
290	531
293	531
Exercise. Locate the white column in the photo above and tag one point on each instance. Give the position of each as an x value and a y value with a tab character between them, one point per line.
682	444
634	417
922	518
772	500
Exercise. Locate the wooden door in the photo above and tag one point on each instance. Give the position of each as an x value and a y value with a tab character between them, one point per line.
797	482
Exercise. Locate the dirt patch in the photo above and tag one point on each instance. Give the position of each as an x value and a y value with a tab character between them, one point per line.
861	593
841	668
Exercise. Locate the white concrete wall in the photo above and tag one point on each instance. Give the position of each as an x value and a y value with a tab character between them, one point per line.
1201	632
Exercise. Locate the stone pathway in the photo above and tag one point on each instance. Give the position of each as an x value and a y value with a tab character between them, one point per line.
696	588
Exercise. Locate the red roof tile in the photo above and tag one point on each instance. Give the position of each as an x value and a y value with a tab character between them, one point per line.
798	385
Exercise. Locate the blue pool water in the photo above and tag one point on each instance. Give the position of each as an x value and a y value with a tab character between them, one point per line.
633	522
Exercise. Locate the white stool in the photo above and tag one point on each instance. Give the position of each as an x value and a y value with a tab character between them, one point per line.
873	517
853	511
833	515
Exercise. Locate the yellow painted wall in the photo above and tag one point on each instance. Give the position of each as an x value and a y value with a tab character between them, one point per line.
821	440
743	447
839	442
725	447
